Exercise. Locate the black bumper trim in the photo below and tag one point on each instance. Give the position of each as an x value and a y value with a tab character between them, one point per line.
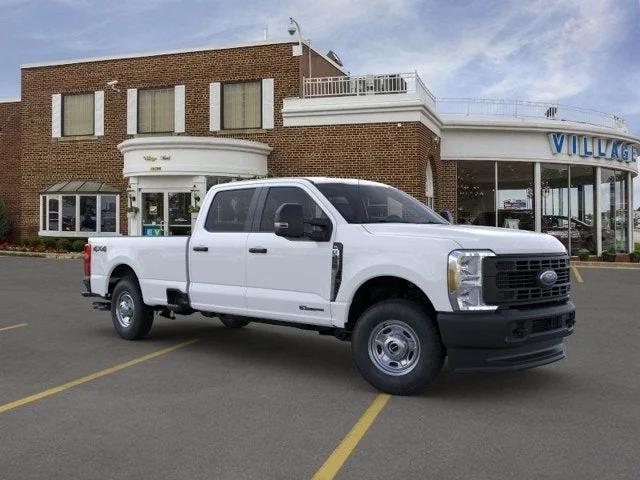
506	339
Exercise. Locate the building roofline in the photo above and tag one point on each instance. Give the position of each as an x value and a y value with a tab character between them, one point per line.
174	52
10	100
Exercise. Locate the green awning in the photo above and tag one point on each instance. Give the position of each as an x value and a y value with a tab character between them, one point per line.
80	186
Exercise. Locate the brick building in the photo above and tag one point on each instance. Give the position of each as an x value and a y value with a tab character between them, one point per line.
91	137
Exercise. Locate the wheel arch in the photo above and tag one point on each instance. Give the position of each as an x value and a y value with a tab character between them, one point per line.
384	287
119	272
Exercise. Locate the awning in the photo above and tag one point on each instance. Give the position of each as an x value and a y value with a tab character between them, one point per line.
80	186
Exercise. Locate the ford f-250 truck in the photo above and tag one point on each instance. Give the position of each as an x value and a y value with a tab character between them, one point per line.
359	260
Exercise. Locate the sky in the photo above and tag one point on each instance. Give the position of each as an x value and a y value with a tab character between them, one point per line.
576	52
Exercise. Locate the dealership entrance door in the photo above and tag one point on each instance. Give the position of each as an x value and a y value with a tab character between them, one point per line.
166	213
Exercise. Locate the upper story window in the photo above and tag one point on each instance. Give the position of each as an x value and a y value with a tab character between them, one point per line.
156	110
242	105
78	112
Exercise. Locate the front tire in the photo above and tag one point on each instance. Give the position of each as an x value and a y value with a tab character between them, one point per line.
396	347
132	319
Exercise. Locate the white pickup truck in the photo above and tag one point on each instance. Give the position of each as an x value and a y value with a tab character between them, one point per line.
356	259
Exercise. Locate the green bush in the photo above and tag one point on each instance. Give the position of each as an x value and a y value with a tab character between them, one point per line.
635	256
49	242
78	245
5	227
583	255
64	244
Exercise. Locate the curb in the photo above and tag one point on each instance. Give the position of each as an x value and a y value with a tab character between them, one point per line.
607	265
58	256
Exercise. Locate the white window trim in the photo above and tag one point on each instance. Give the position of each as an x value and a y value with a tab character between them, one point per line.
215	98
98	113
77	233
132	111
268	107
179	99
56	115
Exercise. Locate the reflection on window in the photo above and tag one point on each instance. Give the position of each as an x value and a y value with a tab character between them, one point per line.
278	196
229	211
77	215
515	196
582	207
555	201
614	210
476	193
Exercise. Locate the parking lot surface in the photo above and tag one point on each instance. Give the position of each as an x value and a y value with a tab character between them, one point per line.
268	402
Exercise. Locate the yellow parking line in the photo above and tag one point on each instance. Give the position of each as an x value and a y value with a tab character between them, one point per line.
11	327
334	463
94	376
577	274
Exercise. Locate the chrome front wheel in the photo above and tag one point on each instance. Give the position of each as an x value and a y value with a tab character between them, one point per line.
394	347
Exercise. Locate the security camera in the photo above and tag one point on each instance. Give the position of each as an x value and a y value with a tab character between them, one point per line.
291	29
113	84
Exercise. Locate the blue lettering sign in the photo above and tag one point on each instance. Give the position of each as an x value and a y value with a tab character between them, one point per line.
601	147
573	146
557	142
624	152
586	146
614	150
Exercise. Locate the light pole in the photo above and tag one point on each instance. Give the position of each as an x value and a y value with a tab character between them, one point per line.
294	27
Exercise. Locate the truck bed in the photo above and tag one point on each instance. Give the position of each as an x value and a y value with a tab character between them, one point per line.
160	262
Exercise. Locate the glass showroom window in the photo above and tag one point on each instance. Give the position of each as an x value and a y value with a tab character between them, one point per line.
77	115
156	110
241	105
515	196
477	193
554	180
582	201
79	215
614	210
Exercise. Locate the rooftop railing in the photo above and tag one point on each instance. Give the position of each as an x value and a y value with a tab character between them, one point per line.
357	85
524	109
411	83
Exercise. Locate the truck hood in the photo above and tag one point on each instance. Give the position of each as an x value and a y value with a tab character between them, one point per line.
499	240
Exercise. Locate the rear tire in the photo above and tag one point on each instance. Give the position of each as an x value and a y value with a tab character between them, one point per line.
132	319
233	321
397	348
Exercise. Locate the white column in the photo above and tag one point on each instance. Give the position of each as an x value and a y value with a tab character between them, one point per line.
135	224
537	195
598	213
630	211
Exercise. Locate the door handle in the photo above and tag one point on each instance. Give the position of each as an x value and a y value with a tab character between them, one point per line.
257	250
201	249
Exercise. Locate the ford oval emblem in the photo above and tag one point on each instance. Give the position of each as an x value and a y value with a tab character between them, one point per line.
548	278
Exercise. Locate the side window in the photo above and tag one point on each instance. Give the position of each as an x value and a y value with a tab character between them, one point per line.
280	195
229	211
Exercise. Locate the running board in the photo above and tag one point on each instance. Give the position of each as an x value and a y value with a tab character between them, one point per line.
102	306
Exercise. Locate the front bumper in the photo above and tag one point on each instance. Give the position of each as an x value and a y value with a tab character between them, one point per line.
511	339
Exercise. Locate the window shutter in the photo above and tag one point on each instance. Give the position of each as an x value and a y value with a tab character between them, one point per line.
56	115
98	114
267	103
179	112
214	107
132	111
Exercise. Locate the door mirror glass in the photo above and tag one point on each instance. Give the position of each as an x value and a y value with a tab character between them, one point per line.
320	229
289	221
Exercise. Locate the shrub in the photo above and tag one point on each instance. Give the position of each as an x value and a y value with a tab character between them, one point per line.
64	244
78	245
635	256
49	242
5	227
583	254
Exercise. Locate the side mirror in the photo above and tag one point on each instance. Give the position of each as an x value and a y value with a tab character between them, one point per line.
289	221
446	214
322	229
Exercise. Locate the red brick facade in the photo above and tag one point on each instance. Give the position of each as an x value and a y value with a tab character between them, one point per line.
387	152
10	162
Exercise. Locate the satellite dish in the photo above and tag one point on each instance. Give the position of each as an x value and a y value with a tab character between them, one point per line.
334	56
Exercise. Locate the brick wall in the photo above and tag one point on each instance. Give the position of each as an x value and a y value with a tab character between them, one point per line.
9	161
385	152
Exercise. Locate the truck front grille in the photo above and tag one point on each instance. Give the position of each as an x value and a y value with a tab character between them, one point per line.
514	279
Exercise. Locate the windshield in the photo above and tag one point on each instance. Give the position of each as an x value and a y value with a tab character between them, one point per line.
376	204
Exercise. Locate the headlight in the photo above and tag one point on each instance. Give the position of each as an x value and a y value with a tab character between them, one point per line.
464	278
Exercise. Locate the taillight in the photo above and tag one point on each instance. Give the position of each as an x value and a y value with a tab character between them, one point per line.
86	257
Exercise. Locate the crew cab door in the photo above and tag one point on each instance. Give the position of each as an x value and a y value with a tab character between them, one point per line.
288	279
218	252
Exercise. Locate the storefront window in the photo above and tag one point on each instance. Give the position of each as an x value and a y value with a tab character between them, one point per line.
179	216
554	197
614	210
153	214
68	213
108	213
77	215
476	193
582	207
515	196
